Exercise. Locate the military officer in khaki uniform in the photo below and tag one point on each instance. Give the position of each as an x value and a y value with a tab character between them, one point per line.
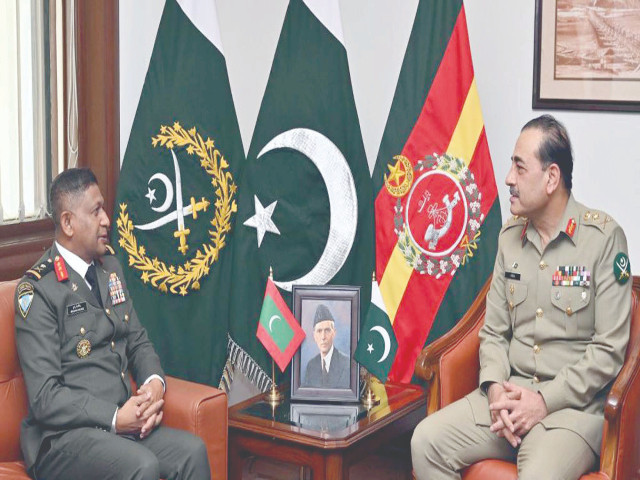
78	336
555	333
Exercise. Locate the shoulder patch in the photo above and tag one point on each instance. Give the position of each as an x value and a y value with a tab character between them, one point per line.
39	270
25	297
110	250
621	268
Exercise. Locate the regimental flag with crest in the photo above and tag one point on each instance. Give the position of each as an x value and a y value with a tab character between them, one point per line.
377	345
177	194
306	206
278	330
437	209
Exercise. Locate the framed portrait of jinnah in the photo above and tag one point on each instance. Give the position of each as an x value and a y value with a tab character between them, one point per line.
324	367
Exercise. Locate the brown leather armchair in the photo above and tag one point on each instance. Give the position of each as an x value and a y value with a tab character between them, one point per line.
451	366
200	409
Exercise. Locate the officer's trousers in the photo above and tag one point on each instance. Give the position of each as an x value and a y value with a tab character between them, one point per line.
86	453
449	440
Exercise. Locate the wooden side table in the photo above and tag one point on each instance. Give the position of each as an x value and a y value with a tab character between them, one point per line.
327	438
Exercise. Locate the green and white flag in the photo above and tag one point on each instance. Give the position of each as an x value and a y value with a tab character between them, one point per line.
306	203
177	194
377	346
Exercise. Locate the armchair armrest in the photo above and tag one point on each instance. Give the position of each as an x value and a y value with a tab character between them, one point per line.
450	364
201	410
621	435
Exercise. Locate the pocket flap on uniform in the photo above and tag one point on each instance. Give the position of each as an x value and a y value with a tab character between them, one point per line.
570	299
516	293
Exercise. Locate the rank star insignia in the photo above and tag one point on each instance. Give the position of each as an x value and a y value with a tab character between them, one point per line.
402	169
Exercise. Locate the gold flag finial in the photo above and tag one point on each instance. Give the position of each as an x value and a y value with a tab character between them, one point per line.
270	273
373	276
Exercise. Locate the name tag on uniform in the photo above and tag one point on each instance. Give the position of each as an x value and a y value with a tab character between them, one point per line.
512	275
76	308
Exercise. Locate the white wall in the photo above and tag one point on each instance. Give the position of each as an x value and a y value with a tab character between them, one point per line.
606	145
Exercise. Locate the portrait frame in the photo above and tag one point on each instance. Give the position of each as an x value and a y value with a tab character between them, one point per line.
573	71
343	301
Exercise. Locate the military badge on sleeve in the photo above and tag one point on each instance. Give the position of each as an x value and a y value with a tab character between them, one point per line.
621	268
25	297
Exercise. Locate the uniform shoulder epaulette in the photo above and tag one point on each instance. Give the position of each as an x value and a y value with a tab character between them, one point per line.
514	221
598	219
110	250
40	269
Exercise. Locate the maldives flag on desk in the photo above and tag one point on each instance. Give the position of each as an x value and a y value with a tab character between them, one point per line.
437	210
278	330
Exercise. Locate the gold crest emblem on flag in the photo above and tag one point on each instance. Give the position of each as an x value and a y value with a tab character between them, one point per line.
180	279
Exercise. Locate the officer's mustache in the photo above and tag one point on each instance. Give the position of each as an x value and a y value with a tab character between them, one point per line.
513	192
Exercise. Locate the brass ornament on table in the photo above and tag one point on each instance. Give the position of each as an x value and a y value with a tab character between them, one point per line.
273	397
368	398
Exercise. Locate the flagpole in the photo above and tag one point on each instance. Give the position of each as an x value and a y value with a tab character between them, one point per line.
273	397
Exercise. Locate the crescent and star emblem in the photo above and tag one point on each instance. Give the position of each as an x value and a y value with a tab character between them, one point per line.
387	342
400	176
180	212
343	203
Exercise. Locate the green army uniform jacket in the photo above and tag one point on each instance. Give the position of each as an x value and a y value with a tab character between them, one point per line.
75	354
565	339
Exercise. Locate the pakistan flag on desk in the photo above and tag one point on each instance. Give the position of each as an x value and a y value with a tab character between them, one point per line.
306	204
377	345
177	194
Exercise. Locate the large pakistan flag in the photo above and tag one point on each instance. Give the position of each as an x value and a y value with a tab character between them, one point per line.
305	208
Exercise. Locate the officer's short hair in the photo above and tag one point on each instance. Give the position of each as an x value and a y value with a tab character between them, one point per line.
555	147
69	183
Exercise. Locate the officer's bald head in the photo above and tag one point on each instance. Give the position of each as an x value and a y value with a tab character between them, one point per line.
67	188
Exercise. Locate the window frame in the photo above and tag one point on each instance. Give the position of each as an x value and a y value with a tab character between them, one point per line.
21	244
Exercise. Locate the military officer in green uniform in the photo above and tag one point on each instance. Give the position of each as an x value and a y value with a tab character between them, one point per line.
78	337
555	333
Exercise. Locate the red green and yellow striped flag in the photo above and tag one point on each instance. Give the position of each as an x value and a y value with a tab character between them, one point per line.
437	209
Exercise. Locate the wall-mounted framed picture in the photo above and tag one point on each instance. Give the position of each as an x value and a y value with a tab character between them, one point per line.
587	55
324	369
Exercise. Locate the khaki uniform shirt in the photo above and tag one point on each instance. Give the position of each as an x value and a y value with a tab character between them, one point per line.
75	354
566	342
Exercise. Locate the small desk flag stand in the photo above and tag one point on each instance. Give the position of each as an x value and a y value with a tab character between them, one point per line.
273	397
